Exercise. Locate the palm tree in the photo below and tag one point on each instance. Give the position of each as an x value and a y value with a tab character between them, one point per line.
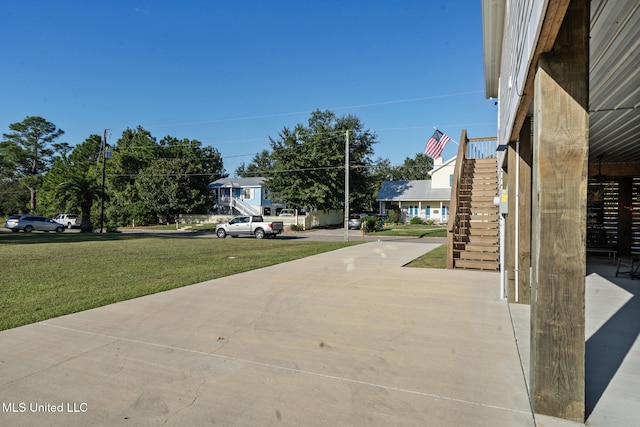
82	190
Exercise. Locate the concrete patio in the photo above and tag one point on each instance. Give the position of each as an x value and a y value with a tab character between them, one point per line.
348	337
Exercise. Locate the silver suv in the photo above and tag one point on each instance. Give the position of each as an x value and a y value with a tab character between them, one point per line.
29	223
355	221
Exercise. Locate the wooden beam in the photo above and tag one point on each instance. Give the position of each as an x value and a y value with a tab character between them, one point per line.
559	194
614	169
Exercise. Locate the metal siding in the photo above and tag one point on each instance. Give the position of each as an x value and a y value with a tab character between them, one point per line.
523	21
614	74
614	80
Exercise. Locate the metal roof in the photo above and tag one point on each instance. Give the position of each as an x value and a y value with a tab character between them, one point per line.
418	190
614	81
237	182
614	74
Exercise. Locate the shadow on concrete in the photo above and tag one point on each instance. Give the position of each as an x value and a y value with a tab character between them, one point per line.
607	348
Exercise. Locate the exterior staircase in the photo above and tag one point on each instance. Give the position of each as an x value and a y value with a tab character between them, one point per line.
476	240
239	205
473	234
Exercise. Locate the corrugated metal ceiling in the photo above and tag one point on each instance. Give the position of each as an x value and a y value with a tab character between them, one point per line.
614	81
614	76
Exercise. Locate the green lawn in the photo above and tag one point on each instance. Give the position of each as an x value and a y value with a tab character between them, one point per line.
436	258
413	231
49	275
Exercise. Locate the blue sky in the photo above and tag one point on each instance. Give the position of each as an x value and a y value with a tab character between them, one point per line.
233	73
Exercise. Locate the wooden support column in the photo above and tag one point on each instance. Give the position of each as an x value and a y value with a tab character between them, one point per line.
560	151
517	261
509	179
524	213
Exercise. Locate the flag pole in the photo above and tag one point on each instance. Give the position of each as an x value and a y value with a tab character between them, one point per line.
450	139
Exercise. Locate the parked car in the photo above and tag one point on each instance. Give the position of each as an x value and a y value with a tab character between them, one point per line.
70	220
29	223
250	225
355	221
287	212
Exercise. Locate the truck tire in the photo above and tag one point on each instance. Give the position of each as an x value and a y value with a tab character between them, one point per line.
259	233
221	233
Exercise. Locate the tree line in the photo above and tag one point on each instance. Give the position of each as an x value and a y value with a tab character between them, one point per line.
141	180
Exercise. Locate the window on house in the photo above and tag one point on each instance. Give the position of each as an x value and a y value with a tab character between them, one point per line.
247	193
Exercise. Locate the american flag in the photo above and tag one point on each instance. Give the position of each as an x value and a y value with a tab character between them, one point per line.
436	144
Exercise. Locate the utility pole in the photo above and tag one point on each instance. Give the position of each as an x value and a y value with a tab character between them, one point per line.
104	158
346	187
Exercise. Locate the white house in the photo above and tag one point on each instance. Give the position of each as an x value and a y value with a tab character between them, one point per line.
426	199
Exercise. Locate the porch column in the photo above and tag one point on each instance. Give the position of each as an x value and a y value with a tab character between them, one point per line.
524	212
559	198
509	182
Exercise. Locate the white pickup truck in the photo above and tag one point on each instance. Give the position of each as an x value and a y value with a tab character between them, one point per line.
249	225
69	220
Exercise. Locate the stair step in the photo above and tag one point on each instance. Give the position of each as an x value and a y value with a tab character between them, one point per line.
481	248
483	232
483	240
478	256
477	265
483	192
483	217
479	214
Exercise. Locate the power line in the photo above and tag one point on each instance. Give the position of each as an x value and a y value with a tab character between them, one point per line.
209	174
295	113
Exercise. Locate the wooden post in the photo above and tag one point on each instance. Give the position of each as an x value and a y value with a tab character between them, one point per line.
560	151
509	178
524	213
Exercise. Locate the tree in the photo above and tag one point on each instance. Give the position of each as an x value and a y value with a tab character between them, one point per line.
169	187
308	162
27	151
83	160
82	190
261	165
149	179
416	168
135	150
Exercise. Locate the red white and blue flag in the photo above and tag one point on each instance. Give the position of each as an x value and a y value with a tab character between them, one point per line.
436	144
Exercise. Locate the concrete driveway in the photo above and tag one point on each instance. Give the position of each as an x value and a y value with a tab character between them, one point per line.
348	337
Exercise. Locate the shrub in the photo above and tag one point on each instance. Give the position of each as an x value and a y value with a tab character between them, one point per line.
372	223
393	215
296	227
416	220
